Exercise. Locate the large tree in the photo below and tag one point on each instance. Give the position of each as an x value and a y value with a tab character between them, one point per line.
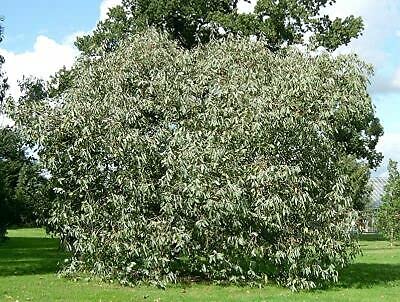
278	23
221	162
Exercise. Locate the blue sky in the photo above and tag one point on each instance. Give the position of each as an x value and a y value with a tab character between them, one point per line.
39	38
56	19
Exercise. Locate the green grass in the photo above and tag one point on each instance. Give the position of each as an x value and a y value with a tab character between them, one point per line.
29	262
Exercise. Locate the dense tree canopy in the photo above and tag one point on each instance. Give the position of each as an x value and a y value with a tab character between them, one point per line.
279	23
221	162
276	23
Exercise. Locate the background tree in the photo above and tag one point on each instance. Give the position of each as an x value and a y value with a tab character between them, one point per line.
4	202
37	90
278	23
11	161
18	174
388	218
17	169
358	187
33	194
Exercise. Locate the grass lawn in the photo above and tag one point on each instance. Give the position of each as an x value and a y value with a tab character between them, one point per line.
29	262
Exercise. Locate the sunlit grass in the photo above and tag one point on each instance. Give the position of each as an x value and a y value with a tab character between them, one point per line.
29	262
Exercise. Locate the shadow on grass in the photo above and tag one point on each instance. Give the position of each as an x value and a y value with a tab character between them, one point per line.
29	256
371	237
366	275
35	255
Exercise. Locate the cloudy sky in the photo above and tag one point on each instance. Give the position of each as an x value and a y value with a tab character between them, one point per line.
39	39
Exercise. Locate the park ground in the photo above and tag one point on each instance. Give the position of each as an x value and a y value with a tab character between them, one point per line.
29	262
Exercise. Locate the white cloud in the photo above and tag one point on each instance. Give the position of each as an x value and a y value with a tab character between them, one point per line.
6	121
46	58
105	7
245	7
389	145
396	79
71	38
381	25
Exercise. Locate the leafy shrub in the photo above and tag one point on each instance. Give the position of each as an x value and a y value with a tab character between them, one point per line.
220	163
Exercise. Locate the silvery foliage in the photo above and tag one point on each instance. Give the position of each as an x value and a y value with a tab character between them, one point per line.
218	163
